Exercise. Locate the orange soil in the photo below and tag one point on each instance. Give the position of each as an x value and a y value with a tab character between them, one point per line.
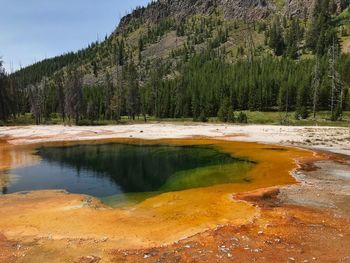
281	234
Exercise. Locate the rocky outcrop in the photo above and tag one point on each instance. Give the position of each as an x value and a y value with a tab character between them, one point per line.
299	8
178	9
232	9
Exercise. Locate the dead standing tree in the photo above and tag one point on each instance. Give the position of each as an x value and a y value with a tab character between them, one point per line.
74	95
316	81
116	102
36	98
337	92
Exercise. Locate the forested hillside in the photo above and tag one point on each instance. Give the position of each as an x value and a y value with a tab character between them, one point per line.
197	59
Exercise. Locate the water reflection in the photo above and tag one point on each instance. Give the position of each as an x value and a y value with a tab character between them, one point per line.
110	169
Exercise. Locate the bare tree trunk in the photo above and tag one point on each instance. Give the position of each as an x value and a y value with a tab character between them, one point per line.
336	89
333	78
287	105
341	103
316	85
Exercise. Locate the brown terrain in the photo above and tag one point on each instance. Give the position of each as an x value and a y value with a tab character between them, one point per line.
276	218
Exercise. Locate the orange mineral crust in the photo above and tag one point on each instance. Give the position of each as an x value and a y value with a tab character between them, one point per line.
55	216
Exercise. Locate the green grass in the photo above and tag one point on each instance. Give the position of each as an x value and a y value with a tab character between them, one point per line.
277	118
279	4
271	118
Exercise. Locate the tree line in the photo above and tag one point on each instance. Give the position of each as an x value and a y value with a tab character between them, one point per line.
206	87
305	72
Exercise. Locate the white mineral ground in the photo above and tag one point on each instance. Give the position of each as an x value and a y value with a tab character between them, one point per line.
333	139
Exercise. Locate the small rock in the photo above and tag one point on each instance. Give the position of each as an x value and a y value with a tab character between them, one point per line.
146	255
224	249
277	240
235	239
88	259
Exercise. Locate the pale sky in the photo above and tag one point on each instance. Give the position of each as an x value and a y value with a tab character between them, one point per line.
31	30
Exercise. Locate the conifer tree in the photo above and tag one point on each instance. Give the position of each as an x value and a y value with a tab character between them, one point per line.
293	38
132	91
276	40
4	95
336	100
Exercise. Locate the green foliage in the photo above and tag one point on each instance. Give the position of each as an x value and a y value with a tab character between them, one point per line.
302	113
226	113
242	118
154	33
5	98
207	75
293	38
321	35
203	117
276	40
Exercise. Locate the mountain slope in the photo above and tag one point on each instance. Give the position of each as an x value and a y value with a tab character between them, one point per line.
155	13
199	59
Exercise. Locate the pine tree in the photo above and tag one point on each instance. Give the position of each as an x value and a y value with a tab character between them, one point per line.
320	35
293	38
4	95
132	91
276	40
121	53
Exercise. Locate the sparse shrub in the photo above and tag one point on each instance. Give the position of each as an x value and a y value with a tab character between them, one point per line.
242	117
203	117
344	32
262	27
302	113
54	115
225	113
337	114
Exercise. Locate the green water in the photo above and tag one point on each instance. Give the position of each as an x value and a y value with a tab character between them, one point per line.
120	174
